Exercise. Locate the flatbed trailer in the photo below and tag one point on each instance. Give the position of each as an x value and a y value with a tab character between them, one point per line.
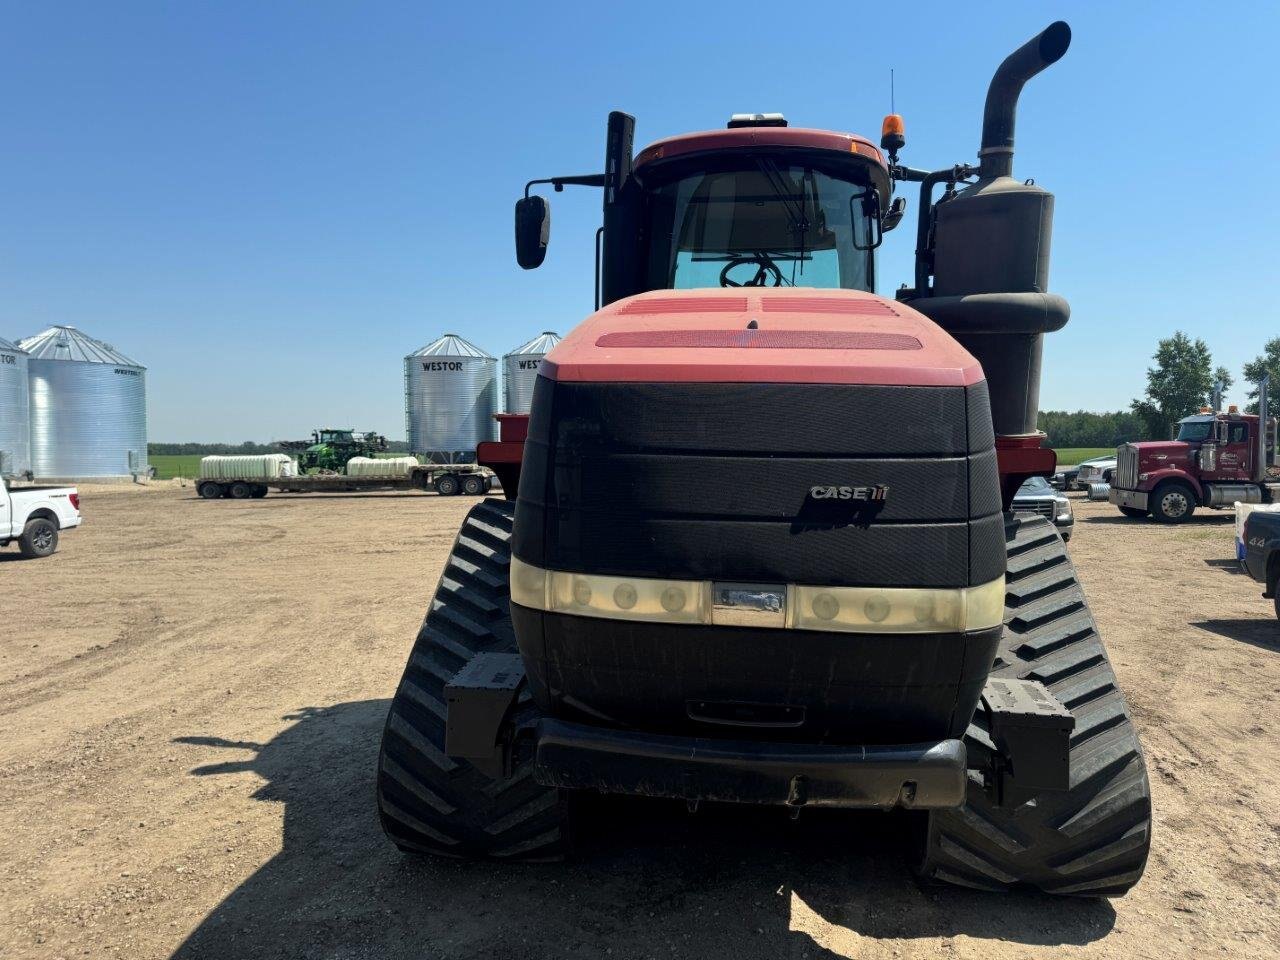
444	479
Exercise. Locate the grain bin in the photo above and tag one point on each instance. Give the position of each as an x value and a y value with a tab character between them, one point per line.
88	407
451	395
15	416
520	370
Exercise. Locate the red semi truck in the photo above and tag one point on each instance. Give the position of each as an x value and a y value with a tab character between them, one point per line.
1217	459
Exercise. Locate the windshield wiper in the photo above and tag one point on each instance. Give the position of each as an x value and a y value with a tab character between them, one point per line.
796	215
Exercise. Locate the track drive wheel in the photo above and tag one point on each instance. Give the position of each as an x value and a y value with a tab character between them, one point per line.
429	802
1090	840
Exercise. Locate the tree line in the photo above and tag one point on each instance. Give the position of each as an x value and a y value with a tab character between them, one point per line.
1180	382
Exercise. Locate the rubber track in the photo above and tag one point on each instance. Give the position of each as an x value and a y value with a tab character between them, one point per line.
1093	839
428	802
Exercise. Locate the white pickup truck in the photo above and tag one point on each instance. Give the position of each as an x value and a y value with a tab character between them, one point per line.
34	516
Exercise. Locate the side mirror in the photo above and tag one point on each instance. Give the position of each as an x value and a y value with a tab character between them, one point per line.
874	216
533	231
897	210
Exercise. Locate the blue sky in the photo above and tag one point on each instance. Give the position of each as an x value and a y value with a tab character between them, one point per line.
269	204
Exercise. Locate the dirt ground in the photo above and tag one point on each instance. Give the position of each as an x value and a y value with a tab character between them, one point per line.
192	693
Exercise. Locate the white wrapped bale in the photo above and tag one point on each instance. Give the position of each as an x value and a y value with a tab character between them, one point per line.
266	466
380	467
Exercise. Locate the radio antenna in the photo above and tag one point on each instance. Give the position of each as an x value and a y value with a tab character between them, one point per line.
892	105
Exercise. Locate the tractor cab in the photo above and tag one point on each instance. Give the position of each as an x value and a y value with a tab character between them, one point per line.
759	204
756	207
331	436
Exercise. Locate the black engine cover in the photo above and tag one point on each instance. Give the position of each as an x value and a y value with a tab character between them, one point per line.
715	482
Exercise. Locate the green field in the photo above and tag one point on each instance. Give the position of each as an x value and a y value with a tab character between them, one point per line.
1071	456
169	466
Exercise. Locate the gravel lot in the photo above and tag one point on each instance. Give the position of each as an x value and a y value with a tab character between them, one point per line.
191	696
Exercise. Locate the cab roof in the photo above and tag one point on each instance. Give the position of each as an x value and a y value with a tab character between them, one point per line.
760	136
795	138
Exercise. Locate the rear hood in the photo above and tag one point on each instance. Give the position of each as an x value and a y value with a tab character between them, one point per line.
753	335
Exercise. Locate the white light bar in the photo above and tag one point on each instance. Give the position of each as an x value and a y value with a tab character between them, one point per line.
838	609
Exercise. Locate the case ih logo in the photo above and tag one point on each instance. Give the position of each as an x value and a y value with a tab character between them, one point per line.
441	365
871	494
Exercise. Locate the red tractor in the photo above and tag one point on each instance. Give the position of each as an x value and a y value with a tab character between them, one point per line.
760	547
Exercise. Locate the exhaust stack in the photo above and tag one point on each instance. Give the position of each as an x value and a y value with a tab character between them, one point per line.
1001	112
1260	466
990	253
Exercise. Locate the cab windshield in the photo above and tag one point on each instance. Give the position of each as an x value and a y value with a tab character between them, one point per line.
1195	431
760	221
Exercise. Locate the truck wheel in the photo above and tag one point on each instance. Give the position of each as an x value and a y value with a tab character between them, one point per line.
39	538
447	485
1173	502
211	491
241	491
432	803
1092	839
259	491
1133	512
473	485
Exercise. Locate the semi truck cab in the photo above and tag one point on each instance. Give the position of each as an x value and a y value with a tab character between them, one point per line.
1216	459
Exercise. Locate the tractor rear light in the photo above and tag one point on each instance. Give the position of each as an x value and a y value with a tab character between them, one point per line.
613	598
897	609
832	609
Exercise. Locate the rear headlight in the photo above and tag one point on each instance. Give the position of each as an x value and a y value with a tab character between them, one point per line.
838	609
613	598
898	609
75	500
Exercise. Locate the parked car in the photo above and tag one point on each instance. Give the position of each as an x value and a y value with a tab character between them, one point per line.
1038	496
1097	470
1262	552
35	516
1065	479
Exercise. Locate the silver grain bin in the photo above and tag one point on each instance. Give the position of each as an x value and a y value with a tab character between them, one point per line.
520	370
450	397
88	407
15	416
